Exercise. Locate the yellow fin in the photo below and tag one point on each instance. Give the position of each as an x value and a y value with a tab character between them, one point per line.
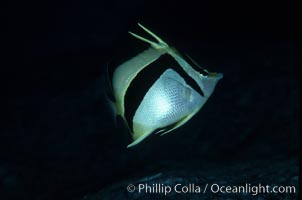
178	124
138	140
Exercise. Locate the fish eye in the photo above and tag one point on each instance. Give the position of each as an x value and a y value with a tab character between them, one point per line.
203	72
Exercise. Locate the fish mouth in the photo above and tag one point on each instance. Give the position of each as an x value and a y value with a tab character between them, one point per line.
217	76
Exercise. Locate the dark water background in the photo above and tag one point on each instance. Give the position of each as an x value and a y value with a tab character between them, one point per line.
58	139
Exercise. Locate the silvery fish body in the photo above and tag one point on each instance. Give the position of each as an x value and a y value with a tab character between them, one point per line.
172	89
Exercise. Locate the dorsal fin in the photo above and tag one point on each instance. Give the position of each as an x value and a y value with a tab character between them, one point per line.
157	45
